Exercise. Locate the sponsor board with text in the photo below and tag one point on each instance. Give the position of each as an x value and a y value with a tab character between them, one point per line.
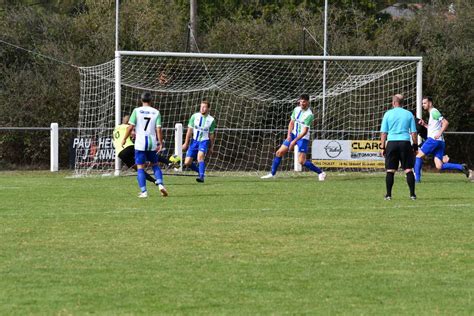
347	153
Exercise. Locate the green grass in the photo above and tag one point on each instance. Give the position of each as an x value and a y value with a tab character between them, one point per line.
236	246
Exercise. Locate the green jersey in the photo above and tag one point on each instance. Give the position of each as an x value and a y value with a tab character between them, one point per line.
202	125
145	119
119	133
302	118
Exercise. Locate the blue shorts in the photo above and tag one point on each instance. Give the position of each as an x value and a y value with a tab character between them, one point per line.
302	144
433	147
141	157
197	146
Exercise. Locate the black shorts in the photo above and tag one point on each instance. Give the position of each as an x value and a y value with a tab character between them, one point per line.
399	152
127	155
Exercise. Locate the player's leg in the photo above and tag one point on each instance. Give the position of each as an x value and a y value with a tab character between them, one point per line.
392	159
152	156
280	153
140	160
407	161
127	156
428	146
442	165
191	155
303	149
203	146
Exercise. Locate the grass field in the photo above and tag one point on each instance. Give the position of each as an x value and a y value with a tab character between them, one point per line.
236	246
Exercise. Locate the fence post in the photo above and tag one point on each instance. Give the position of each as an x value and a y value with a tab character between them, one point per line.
54	147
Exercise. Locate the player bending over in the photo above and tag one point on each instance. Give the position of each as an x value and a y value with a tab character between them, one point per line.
201	127
298	134
147	123
435	144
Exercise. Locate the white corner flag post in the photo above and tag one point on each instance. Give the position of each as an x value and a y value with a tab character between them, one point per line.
178	142
54	147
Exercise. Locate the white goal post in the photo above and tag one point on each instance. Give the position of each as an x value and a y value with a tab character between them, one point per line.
251	96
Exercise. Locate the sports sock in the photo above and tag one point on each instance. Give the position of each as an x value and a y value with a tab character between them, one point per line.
194	167
141	178
275	164
202	169
389	179
451	166
308	164
418	165
158	174
149	177
411	182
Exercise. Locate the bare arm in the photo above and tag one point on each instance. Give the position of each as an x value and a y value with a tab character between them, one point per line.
159	134
383	140
212	138
444	126
189	133
300	136
290	128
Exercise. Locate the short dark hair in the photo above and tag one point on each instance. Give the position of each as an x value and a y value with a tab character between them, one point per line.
206	102
428	98
146	97
304	96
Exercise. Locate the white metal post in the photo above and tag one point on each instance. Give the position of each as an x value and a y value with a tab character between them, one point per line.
419	91
298	166
178	142
54	147
118	109
323	119
419	88
117	9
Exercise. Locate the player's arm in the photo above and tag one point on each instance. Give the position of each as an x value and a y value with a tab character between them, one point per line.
444	126
291	125
189	133
187	139
159	135
212	136
414	135
383	133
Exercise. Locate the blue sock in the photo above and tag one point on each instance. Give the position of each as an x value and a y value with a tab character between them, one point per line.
275	164
141	179
308	164
451	166
194	167
418	165
202	169
158	174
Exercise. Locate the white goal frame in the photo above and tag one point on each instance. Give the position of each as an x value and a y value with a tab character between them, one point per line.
120	53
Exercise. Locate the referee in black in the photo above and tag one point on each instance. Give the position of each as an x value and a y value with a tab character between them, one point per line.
398	125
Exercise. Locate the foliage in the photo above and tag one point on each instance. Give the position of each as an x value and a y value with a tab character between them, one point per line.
81	32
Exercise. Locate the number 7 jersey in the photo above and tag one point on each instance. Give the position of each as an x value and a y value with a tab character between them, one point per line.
145	119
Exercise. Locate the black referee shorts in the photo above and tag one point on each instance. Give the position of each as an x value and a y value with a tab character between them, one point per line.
127	155
399	152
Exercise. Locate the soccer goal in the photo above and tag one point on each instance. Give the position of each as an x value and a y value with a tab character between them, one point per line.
251	97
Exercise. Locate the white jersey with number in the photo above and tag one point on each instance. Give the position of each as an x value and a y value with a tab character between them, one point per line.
145	119
435	124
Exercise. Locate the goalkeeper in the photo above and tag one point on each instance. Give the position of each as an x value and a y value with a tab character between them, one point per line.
298	134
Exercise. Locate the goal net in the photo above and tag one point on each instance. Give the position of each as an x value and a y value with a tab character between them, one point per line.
251	97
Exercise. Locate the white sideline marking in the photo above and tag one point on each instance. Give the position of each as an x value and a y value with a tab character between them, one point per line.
140	210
